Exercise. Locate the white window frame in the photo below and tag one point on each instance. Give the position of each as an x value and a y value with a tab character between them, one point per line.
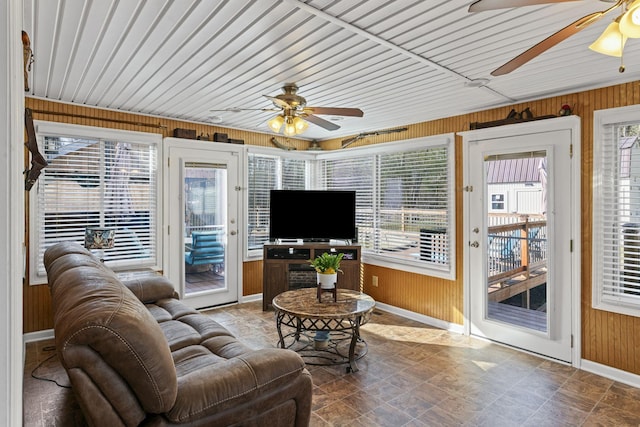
604	119
256	254
53	129
445	140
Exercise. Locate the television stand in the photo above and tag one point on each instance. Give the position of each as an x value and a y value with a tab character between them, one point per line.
286	267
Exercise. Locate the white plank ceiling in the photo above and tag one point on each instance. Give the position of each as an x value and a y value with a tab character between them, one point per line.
401	62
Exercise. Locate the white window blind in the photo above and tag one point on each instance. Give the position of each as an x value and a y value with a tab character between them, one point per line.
404	203
616	213
266	173
355	174
96	182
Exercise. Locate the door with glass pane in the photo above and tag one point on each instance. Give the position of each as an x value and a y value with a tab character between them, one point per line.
203	238
519	247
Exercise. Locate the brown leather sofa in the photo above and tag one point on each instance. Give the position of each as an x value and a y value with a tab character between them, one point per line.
136	355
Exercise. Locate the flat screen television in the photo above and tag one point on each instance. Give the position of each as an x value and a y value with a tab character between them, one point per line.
312	215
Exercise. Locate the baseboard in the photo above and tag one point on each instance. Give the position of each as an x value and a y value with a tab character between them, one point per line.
615	374
431	321
37	336
251	298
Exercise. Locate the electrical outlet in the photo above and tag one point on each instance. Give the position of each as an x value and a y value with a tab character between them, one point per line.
374	281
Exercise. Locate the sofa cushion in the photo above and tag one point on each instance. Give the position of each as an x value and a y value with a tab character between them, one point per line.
151	288
206	386
92	308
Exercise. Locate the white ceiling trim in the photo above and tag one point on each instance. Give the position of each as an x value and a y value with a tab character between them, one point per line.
389	45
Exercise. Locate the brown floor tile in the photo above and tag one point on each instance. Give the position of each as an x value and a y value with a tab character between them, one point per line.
338	413
555	411
387	415
604	415
413	376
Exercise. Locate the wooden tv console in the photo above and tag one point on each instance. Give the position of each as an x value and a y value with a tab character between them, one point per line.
283	263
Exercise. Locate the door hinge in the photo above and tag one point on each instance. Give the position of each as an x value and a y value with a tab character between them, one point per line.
571	245
168	162
571	151
168	229
468	188
571	340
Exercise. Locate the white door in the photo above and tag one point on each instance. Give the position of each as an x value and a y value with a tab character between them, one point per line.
203	241
520	266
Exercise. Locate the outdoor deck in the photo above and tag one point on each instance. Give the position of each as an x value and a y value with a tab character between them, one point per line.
517	263
530	319
203	281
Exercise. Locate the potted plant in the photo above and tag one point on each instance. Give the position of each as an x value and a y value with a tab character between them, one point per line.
327	266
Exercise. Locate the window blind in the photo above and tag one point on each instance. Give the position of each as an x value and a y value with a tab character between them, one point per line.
402	203
95	182
355	174
266	173
617	215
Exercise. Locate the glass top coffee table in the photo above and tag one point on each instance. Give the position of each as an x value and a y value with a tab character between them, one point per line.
327	332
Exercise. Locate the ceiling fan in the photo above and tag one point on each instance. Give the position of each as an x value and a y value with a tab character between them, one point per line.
294	114
611	42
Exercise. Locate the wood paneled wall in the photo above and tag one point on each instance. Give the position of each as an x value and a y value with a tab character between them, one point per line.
607	338
252	278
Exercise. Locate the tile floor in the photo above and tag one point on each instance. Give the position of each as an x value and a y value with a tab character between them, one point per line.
413	375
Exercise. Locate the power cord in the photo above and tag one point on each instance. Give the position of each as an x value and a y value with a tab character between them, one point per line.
33	372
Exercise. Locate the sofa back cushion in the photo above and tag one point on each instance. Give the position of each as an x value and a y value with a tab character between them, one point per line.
96	315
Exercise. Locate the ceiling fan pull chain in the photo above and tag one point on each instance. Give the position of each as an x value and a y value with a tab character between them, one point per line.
621	69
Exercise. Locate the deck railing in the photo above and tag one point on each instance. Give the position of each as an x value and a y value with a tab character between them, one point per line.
516	248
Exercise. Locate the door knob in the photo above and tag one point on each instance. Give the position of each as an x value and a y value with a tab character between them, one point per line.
233	232
476	230
474	244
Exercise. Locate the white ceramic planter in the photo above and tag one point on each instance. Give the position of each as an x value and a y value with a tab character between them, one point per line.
327	281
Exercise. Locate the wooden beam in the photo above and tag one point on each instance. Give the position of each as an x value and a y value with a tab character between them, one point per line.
518	288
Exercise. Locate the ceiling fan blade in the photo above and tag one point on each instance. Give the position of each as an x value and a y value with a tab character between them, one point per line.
279	102
551	41
321	122
482	5
333	111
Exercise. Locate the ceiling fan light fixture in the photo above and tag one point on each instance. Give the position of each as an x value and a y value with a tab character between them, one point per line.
611	42
276	123
630	21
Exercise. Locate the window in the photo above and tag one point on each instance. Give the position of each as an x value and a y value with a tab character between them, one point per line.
497	202
268	172
616	210
96	177
404	201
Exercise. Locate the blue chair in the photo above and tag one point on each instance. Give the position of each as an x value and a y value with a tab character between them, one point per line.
206	248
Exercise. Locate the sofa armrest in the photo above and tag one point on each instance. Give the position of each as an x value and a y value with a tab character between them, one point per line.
150	289
215	388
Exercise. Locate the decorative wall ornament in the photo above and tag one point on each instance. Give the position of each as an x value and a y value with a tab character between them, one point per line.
349	141
27	55
38	162
280	145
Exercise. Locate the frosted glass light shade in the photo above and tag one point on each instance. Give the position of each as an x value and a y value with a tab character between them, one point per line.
289	127
276	123
300	124
611	41
630	21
